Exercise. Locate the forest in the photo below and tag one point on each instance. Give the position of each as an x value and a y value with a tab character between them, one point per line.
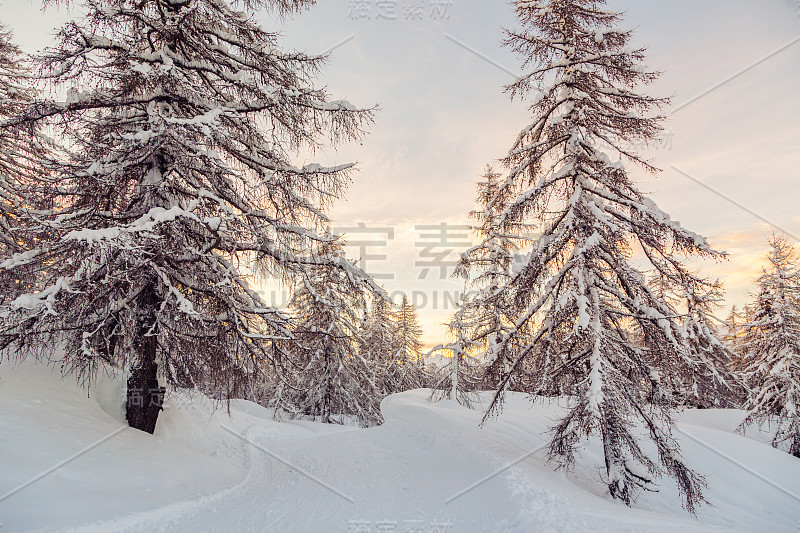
150	184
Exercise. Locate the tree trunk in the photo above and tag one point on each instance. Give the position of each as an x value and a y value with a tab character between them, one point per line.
794	448
326	396
145	397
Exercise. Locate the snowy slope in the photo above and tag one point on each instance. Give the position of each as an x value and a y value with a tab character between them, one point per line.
411	474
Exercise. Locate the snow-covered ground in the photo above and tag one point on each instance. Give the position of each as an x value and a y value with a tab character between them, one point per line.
429	468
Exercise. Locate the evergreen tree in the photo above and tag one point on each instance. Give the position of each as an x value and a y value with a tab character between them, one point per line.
330	378
493	259
734	331
182	119
770	347
378	341
733	326
405	369
408	333
708	380
462	376
585	320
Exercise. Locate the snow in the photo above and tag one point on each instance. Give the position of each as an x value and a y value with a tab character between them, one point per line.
19	259
143	136
93	235
583	314
45	297
145	223
207	471
599	37
142	68
595	393
76	96
336	105
213	222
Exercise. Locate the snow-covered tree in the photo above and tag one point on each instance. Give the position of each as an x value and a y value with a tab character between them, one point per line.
462	376
493	260
709	380
408	333
770	348
378	340
733	326
585	319
22	155
183	119
405	371
734	332
328	377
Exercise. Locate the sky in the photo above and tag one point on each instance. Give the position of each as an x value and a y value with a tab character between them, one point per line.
436	69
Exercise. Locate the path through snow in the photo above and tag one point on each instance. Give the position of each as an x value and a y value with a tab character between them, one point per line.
206	471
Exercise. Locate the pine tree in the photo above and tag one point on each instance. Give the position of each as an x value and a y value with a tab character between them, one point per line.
709	380
770	348
182	119
330	377
378	341
493	259
408	333
586	321
405	369
734	332
733	326
461	377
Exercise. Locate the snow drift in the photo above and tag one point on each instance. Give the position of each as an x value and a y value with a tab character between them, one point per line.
429	468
